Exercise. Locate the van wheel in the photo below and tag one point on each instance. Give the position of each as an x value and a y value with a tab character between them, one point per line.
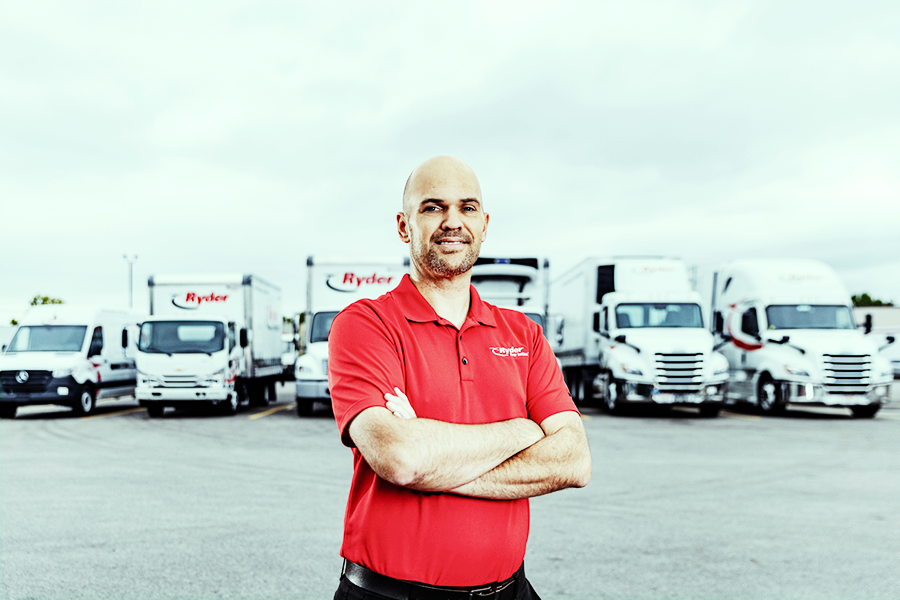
768	396
865	412
86	401
155	410
8	411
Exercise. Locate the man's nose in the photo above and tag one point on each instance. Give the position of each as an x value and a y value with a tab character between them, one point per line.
452	220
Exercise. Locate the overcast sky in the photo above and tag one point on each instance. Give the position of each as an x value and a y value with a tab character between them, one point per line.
244	136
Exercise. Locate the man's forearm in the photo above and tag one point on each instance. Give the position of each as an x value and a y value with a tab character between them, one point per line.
558	461
430	455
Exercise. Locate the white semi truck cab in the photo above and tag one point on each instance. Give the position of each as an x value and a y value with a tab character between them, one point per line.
630	331
515	283
331	286
787	330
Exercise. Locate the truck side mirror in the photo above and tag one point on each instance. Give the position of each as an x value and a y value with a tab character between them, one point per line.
245	341
125	338
560	324
597	322
3	349
867	324
620	339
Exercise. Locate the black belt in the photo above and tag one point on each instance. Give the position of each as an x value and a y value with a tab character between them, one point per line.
398	589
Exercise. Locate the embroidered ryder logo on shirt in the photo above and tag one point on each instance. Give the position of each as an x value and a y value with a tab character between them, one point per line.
512	351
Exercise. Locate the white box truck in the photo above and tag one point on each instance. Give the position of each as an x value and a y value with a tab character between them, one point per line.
786	327
630	331
330	287
210	339
515	283
69	356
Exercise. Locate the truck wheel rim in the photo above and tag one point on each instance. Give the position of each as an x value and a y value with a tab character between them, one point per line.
767	398
86	400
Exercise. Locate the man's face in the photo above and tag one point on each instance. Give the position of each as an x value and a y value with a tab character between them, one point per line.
444	222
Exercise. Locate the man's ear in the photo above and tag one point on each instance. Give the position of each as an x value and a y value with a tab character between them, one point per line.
402	227
487	218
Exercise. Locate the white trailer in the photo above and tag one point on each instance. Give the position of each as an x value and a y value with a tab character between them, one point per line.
788	332
211	339
69	356
515	283
330	287
630	331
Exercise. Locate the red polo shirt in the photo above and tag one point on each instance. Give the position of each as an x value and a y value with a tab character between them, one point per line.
498	366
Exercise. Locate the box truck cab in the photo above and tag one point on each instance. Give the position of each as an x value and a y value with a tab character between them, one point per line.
787	330
515	283
630	331
68	356
331	286
211	339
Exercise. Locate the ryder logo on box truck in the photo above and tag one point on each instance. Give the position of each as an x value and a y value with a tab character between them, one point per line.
351	282
193	300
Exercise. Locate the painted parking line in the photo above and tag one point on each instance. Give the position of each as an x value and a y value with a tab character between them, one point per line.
732	415
274	409
117	413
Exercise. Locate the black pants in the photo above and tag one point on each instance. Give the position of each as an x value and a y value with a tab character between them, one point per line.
348	591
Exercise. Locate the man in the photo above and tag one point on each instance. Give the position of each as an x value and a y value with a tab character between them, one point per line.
456	412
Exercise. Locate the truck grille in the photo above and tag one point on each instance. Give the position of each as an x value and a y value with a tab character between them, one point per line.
679	372
37	382
182	381
847	373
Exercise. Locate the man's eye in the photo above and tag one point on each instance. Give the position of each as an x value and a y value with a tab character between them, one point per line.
431	209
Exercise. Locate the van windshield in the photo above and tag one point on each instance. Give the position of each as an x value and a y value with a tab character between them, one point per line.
182	337
48	338
808	316
658	315
321	325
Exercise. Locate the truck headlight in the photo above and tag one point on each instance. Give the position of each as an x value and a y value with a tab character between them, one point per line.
62	372
796	371
631	370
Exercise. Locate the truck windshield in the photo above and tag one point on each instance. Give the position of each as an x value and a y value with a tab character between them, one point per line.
807	316
182	337
658	315
321	325
48	338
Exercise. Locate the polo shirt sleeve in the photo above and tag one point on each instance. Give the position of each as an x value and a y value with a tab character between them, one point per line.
363	364
547	391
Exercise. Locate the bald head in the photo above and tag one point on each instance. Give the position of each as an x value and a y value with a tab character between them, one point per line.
436	176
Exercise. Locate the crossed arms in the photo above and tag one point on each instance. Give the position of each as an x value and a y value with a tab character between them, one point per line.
505	460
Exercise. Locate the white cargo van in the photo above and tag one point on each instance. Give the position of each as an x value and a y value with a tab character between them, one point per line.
630	331
330	287
69	356
787	329
211	339
515	283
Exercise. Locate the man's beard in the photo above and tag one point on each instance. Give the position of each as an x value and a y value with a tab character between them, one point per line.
438	264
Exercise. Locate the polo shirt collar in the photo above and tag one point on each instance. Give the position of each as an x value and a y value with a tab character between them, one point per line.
416	308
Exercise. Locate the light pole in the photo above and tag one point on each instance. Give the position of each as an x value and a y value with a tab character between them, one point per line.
131	258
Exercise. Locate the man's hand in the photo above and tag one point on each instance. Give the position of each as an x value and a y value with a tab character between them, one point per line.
399	405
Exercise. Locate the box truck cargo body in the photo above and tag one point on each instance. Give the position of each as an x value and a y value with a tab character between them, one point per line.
212	339
69	356
330	287
515	283
630	331
788	332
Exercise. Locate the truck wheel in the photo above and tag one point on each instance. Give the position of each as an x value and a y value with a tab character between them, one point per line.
258	394
155	410
273	393
86	401
610	397
230	407
305	407
8	411
768	396
865	412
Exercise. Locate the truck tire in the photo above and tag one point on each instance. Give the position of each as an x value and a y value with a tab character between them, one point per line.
610	395
8	411
229	407
709	412
259	394
865	412
155	410
86	401
305	407
273	393
768	396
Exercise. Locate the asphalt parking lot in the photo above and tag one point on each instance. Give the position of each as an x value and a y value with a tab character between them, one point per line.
197	505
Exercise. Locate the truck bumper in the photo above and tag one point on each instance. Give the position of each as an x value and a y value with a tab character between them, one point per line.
62	391
312	389
810	394
175	395
646	393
